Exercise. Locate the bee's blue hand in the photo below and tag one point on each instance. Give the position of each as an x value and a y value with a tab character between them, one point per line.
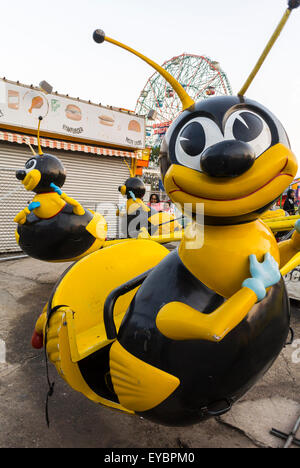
264	275
297	226
132	195
33	205
55	188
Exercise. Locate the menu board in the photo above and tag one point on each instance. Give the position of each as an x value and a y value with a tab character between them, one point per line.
21	106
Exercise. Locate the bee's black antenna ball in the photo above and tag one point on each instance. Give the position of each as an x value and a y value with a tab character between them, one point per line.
293	4
99	36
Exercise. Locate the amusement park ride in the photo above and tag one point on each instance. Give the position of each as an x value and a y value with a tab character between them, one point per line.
179	337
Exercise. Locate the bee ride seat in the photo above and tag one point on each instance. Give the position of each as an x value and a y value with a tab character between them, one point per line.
76	338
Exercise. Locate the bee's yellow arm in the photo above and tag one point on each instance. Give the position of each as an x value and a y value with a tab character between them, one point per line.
77	208
179	321
22	216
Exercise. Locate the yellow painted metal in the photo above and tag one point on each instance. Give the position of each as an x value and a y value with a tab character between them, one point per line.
285	223
139	385
281	218
273	214
162	238
291	264
186	100
278	226
265	53
289	249
144	235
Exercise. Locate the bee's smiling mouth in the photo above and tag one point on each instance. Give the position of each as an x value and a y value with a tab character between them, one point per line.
281	173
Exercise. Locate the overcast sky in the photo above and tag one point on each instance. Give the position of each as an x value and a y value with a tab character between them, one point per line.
52	41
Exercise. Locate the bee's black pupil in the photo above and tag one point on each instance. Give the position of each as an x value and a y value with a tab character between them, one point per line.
29	164
249	130
192	139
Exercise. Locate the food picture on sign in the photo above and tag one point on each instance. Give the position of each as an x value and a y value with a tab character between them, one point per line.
134	126
105	119
13	99
35	104
73	112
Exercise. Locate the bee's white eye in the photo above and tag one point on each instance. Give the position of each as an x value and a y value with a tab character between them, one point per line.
249	127
30	164
195	136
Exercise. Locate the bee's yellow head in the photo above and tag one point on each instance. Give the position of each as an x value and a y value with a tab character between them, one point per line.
41	170
229	154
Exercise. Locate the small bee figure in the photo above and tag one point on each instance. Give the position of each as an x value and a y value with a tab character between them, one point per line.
183	335
136	213
138	219
54	227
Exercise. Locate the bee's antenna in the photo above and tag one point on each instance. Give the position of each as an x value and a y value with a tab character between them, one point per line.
38	136
28	143
129	168
291	5
99	37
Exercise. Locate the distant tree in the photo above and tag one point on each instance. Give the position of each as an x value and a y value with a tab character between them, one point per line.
155	154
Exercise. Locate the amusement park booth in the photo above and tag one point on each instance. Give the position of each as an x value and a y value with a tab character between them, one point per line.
96	144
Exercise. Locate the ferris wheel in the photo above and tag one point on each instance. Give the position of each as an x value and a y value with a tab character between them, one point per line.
200	76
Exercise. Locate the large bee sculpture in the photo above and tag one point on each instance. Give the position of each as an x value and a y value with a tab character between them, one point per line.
179	337
54	227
